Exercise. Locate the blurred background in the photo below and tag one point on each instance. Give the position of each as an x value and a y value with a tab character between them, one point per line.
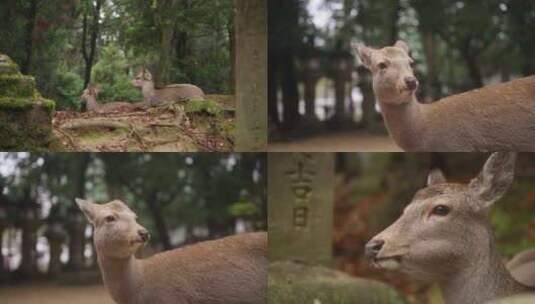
371	190
67	44
321	99
46	250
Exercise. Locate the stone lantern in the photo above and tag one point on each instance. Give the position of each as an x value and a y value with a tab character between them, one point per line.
341	69
25	116
310	69
56	235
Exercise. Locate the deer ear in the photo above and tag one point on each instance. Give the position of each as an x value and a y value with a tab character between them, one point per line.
402	45
495	178
364	53
88	209
435	177
147	75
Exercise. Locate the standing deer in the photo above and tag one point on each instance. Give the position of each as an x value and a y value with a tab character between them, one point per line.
170	93
90	95
224	271
495	118
444	235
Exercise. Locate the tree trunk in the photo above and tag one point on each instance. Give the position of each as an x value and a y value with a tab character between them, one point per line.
31	16
369	120
89	56
394	29
273	85
251	74
474	70
155	209
165	22
290	92
430	45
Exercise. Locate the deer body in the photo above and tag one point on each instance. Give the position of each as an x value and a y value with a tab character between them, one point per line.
170	93
495	118
444	236
228	270
90	95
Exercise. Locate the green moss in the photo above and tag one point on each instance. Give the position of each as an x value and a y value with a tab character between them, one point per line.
17	86
48	105
8	66
204	106
293	283
10	103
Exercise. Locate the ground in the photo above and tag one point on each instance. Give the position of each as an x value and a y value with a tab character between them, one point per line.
50	293
193	126
338	142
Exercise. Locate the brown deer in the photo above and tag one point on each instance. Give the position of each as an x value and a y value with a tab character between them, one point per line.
228	270
90	95
170	93
495	118
444	235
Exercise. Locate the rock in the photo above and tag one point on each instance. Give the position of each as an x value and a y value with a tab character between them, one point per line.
293	283
25	116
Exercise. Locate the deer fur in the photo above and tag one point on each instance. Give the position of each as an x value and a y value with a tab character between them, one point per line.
498	117
228	270
457	250
170	93
90	95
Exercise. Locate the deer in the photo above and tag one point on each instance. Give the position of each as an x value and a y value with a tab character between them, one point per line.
498	117
90	95
171	93
444	236
228	270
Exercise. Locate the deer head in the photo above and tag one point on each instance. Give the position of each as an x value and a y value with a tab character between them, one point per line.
446	226
142	78
116	232
393	77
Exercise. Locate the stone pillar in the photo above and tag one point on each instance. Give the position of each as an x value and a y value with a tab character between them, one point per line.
300	209
56	236
251	75
29	225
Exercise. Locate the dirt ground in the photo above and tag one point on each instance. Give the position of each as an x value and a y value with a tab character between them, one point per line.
338	142
49	293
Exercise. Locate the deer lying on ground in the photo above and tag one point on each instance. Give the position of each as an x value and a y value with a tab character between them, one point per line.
444	236
170	93
495	118
224	271
90	95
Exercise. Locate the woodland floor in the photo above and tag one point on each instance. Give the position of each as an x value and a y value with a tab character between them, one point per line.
157	129
50	293
338	142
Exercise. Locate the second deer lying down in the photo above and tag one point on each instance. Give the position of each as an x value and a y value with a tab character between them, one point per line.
90	95
224	271
495	118
444	236
170	93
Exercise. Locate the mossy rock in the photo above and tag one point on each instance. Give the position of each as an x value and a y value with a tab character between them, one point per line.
17	86
25	116
204	106
293	283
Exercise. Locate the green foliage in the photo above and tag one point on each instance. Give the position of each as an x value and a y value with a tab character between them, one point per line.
244	208
206	106
68	86
111	73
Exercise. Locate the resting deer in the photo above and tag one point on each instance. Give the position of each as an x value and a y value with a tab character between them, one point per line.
170	93
90	95
495	118
444	235
228	270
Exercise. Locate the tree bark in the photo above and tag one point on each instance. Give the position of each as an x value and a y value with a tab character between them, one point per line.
155	209
31	16
89	56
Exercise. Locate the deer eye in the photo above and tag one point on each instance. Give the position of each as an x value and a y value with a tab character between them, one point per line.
382	65
110	218
441	210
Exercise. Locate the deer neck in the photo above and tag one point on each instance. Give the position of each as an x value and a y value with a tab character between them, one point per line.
92	103
483	278
148	90
121	277
405	123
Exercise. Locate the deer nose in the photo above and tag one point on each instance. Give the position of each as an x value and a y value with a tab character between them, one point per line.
411	83
372	248
144	235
